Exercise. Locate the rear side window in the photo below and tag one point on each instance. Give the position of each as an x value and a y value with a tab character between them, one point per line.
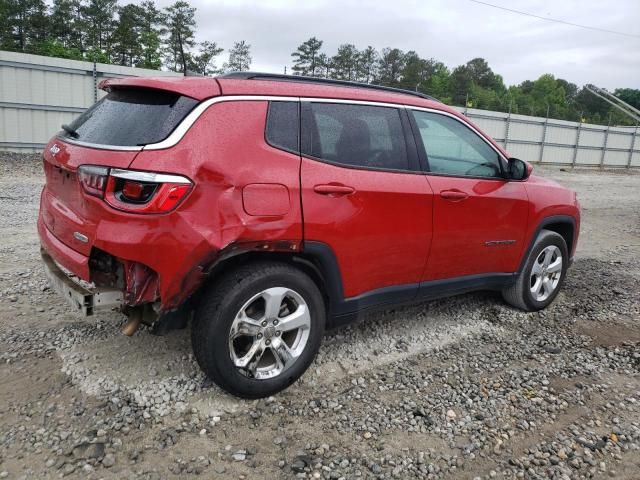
131	117
357	135
283	126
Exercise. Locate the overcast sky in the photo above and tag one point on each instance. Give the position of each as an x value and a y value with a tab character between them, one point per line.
453	31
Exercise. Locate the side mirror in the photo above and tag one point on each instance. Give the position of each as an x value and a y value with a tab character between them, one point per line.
519	169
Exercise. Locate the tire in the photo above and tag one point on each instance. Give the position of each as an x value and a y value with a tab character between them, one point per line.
520	294
223	339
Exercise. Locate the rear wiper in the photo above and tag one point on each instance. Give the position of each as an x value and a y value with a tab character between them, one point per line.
70	130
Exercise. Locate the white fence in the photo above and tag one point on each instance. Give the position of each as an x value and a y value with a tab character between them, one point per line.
38	94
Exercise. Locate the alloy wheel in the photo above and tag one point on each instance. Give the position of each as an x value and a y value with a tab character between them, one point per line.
269	333
546	273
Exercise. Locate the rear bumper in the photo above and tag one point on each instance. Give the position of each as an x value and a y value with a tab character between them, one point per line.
67	257
83	298
163	256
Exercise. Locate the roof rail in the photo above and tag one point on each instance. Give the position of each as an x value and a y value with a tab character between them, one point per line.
321	81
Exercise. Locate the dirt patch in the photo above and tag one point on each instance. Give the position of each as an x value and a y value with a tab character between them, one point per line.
611	335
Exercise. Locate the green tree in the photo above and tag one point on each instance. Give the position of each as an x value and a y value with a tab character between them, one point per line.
127	35
204	62
23	25
345	62
6	37
438	84
306	57
480	73
180	23
67	24
390	66
367	65
52	48
239	57
628	95
592	107
100	23
460	84
418	72
324	66
152	30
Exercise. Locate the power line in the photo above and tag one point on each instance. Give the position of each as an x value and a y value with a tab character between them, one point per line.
555	20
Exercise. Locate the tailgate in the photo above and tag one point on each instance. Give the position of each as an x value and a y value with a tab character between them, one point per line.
66	212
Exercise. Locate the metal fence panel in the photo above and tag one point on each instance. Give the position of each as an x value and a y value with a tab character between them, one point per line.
538	139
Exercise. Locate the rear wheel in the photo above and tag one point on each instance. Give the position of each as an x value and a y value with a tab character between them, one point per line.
543	273
258	328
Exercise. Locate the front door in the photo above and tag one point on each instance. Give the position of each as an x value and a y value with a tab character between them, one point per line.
479	217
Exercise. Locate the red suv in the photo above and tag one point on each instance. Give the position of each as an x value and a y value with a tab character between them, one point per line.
270	208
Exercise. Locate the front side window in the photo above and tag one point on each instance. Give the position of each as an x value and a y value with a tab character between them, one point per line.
454	149
356	135
131	117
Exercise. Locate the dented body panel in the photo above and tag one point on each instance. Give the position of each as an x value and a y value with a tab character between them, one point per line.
165	257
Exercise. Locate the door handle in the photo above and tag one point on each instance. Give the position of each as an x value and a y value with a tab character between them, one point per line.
334	190
453	195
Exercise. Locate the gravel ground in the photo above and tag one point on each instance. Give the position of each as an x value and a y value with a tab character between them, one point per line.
459	388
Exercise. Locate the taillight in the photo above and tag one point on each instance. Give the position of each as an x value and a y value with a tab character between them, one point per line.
134	191
93	179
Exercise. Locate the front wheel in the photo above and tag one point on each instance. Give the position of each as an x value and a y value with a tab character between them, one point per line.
258	328
541	278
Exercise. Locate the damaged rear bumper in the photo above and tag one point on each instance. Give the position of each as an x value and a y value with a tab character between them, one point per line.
83	297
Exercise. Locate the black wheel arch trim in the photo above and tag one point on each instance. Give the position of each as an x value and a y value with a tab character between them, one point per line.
553	219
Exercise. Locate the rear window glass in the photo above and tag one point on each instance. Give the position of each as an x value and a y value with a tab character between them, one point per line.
283	126
130	117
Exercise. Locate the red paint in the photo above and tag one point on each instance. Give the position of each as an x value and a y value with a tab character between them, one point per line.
265	199
385	228
379	229
194	87
469	212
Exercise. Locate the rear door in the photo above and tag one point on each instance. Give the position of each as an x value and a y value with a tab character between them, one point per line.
479	217
364	196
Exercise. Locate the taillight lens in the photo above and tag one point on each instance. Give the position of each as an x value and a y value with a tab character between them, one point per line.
93	179
135	191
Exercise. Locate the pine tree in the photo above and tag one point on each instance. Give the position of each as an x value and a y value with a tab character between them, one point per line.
306	57
99	16
367	65
204	62
180	23
151	35
67	26
6	37
127	35
324	66
390	66
23	24
345	62
239	57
